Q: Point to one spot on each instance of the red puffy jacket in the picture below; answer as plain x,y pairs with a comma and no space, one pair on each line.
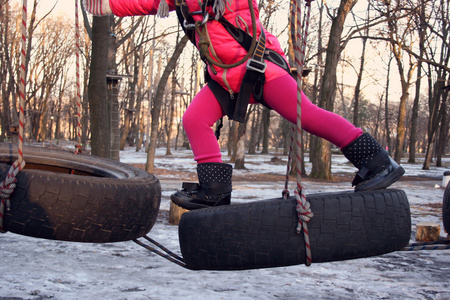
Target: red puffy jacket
224,48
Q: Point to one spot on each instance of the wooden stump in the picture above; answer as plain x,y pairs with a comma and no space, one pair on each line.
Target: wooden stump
428,232
175,213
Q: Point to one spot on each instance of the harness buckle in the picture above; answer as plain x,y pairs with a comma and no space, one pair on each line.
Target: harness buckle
256,65
191,26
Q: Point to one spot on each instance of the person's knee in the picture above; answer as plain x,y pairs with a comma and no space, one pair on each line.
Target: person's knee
190,121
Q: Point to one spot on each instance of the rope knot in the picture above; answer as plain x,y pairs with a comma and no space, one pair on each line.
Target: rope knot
303,209
7,188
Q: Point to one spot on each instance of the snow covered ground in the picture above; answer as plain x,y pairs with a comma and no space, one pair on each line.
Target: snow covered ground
42,269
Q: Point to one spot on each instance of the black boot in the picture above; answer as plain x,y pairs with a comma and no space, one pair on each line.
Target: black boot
377,170
213,189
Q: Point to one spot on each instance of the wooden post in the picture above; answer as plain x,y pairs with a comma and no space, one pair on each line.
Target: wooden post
428,232
14,131
175,213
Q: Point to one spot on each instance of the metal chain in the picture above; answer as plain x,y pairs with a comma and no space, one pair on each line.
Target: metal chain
437,245
169,255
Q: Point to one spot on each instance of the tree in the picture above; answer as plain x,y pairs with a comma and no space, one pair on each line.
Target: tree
397,39
421,27
321,160
157,102
97,89
356,96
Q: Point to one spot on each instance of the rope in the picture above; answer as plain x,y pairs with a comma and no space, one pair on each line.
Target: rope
169,255
303,207
8,185
7,188
77,54
22,79
204,43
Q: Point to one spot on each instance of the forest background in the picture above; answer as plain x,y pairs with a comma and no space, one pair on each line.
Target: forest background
383,65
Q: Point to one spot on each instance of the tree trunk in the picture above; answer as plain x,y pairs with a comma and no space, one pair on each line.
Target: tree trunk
232,139
358,85
240,146
443,129
386,109
415,110
254,131
129,112
139,122
97,89
171,114
156,110
266,128
321,162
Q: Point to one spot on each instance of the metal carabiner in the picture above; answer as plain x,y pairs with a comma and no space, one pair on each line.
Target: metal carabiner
191,26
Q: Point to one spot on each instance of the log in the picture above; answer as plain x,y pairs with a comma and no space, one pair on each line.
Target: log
175,213
428,232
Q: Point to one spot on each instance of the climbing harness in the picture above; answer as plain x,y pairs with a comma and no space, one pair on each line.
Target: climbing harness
233,104
203,43
8,185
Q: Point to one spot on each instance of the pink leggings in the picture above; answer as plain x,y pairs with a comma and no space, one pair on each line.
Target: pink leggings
281,95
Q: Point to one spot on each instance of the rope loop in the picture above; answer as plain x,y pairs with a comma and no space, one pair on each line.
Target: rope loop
7,187
303,209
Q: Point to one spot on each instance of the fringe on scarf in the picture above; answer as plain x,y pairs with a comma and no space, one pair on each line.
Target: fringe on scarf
163,9
219,8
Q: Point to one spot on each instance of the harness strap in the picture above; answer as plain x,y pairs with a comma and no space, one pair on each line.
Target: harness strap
256,66
245,40
254,79
185,18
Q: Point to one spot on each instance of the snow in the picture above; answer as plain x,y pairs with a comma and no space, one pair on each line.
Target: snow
43,269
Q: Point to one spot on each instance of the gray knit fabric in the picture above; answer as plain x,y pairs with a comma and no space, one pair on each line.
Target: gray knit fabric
362,150
214,172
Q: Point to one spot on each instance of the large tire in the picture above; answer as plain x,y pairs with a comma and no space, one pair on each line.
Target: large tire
446,209
82,198
263,234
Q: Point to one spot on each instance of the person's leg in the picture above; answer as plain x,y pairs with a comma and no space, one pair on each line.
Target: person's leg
377,170
214,187
198,121
315,120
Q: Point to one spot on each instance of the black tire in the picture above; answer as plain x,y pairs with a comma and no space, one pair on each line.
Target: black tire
446,209
263,234
82,198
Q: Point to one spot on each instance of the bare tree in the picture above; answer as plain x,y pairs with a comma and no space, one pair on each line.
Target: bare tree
397,39
157,102
356,96
97,89
421,27
321,167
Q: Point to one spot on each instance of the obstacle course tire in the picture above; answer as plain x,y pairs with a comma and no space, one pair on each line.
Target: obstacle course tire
446,209
263,234
82,198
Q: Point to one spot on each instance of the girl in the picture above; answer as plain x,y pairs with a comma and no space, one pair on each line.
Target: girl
245,64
